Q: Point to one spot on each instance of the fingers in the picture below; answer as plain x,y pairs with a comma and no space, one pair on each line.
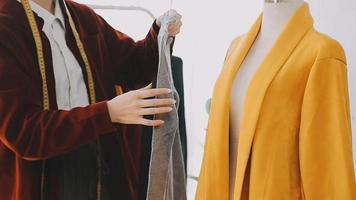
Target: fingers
156,102
148,93
176,26
177,22
155,111
147,122
178,16
174,29
174,12
149,86
174,32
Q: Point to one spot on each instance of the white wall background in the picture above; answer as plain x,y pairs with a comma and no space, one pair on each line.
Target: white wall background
209,27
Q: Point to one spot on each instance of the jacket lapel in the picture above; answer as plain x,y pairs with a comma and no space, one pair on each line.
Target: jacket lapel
214,176
293,33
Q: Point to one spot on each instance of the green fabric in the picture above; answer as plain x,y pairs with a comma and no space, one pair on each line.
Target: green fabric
177,70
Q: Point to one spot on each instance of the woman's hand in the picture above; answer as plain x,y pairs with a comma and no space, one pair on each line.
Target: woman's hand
173,29
129,108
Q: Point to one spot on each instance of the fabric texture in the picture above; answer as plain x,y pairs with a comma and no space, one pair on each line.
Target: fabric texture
29,135
295,140
167,179
177,72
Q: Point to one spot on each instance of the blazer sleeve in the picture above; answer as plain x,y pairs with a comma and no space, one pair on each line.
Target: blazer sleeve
34,134
135,63
326,160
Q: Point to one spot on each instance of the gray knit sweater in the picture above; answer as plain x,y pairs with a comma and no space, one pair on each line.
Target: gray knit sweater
167,179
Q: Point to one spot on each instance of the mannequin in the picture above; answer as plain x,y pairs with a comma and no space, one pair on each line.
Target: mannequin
275,16
294,136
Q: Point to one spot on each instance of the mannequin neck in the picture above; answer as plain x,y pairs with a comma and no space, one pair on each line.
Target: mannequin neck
276,15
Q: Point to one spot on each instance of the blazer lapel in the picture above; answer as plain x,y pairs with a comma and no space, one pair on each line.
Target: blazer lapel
293,33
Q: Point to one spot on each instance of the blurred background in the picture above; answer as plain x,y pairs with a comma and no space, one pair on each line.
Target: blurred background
209,27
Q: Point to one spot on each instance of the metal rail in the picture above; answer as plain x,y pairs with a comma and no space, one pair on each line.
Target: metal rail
130,8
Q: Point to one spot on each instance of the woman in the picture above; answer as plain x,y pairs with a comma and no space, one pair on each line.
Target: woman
62,126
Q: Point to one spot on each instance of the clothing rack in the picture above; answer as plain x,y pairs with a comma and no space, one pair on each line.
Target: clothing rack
129,8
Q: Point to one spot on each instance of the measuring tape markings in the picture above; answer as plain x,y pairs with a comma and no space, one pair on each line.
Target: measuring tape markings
41,63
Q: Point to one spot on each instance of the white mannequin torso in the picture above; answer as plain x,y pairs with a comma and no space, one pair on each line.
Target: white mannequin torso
275,17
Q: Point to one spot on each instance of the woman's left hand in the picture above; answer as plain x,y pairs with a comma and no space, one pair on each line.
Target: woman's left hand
174,28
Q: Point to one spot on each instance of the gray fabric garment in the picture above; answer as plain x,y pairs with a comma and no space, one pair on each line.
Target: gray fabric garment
167,179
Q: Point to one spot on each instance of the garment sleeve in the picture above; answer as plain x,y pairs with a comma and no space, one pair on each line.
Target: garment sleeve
34,134
326,161
135,63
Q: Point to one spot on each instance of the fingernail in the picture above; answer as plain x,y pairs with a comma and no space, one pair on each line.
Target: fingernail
169,90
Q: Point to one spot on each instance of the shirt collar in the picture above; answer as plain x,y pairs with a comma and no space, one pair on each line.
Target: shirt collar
48,17
59,13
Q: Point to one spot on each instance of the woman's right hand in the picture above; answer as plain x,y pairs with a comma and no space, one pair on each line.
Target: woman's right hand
131,107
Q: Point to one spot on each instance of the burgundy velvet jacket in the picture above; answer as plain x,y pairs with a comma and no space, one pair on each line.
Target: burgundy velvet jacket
29,135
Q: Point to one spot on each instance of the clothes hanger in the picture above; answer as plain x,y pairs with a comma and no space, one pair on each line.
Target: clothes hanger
129,8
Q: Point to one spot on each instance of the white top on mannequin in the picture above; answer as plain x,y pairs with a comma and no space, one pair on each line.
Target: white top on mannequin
275,17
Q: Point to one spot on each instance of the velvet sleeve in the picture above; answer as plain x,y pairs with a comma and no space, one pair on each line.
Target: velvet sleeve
135,62
326,161
34,134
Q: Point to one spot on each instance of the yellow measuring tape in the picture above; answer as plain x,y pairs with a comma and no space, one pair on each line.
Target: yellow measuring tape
41,63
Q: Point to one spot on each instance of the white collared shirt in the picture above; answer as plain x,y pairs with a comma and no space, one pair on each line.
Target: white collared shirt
71,90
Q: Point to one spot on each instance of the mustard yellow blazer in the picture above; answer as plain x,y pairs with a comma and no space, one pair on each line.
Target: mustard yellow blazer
295,138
